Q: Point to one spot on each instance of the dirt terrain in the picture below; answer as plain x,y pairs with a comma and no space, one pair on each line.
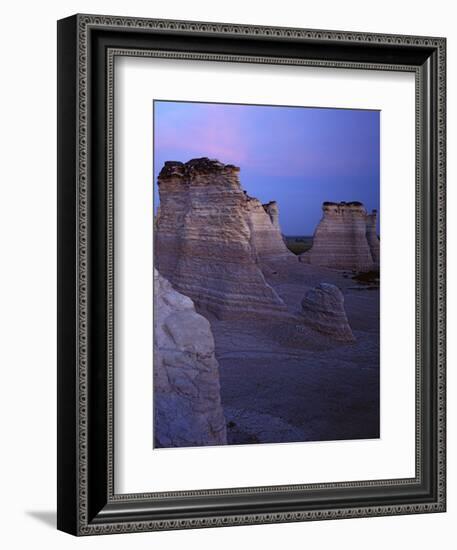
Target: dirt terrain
285,382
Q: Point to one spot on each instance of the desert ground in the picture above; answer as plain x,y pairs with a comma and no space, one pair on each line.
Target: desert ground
285,382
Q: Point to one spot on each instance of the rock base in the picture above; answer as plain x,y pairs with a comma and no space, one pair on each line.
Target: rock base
323,310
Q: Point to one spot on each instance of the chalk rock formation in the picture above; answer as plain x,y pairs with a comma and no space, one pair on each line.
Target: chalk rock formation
212,238
266,237
187,402
345,238
323,310
272,209
372,237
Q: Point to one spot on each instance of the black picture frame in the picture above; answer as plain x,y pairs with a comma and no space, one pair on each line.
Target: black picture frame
87,45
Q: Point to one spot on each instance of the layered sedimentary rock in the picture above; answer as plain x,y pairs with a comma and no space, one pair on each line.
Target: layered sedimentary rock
272,209
372,237
323,310
212,238
345,238
266,238
187,402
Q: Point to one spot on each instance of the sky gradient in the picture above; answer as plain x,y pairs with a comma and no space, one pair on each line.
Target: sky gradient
298,156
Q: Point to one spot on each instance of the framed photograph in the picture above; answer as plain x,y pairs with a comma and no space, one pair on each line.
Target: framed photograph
251,280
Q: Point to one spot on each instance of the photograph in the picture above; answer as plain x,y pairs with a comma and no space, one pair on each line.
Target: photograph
266,241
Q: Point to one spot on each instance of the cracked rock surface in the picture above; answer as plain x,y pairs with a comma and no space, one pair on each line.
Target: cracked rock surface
187,402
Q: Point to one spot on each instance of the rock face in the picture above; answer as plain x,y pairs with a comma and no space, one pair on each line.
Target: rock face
266,238
187,402
212,239
323,310
272,209
345,238
372,237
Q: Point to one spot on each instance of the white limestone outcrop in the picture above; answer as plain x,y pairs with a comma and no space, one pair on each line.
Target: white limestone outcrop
212,239
345,238
187,401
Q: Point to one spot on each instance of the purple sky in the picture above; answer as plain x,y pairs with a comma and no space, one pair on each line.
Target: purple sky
298,156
